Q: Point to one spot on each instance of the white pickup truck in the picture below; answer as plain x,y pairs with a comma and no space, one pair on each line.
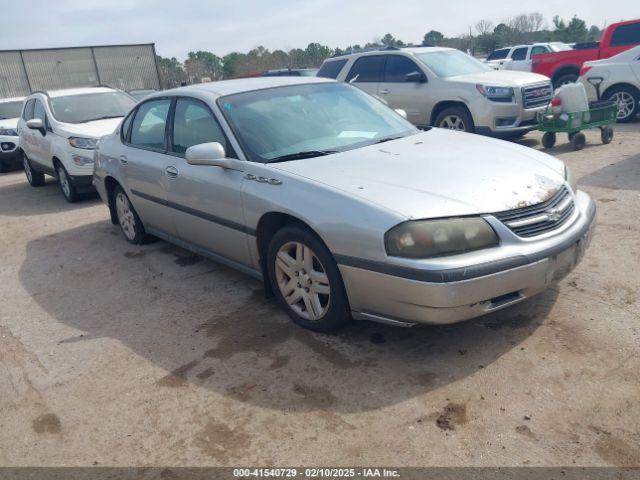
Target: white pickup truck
519,57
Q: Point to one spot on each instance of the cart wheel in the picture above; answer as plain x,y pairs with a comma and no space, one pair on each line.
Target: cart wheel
571,135
579,141
606,134
548,140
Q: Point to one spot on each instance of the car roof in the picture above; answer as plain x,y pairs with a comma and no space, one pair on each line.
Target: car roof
389,51
76,91
240,85
12,99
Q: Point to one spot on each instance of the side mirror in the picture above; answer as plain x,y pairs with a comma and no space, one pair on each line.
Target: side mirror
415,77
211,154
401,112
36,124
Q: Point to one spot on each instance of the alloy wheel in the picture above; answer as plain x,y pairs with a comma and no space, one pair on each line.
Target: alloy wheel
125,216
626,104
64,182
303,281
453,122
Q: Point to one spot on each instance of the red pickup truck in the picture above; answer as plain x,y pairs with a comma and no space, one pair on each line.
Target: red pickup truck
564,67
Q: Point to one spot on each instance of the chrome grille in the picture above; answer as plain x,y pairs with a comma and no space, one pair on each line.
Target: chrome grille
540,218
537,95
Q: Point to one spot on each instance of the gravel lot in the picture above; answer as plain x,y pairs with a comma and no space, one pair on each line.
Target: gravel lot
112,354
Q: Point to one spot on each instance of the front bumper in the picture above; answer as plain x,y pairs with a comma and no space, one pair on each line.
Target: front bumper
400,297
9,148
504,119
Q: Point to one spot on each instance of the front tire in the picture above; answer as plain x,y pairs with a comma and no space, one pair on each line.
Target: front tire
4,166
565,80
35,178
67,187
455,118
628,100
306,280
130,224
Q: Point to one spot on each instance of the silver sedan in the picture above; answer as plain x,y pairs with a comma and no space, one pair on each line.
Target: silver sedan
339,205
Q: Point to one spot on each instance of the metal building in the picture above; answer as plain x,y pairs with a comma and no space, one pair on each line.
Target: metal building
128,67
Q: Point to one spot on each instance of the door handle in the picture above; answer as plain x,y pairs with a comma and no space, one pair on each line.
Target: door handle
123,159
171,172
384,91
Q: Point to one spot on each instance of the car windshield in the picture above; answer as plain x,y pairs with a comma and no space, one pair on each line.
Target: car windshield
91,106
10,110
559,47
451,63
301,121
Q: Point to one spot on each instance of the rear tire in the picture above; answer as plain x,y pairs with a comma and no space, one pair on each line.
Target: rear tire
548,139
130,224
35,178
67,187
306,281
628,100
564,80
455,118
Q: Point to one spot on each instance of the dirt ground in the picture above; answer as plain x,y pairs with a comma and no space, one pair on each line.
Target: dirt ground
112,354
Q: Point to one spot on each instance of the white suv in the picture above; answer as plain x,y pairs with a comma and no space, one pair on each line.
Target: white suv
58,131
446,88
10,109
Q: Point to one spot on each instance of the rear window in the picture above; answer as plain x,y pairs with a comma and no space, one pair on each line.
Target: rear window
331,69
499,54
626,35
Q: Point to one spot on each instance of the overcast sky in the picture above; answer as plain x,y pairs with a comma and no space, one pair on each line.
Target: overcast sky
179,26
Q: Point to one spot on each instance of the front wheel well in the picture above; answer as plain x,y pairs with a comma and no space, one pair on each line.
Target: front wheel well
268,225
442,106
110,184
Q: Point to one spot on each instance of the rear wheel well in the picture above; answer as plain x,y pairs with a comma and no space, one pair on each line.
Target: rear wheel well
440,107
268,225
566,70
110,184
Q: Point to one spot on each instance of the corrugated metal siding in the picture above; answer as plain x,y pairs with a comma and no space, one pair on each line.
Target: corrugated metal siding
13,82
129,67
63,68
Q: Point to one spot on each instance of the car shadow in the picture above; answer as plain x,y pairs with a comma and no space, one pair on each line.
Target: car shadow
20,198
212,327
622,175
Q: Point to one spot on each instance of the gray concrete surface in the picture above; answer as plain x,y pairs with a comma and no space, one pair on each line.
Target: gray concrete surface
116,355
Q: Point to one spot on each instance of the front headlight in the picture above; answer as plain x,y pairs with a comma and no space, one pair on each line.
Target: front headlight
497,94
9,132
571,179
83,143
431,238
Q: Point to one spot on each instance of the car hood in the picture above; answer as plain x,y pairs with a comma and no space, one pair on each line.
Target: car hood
500,78
9,123
95,129
438,173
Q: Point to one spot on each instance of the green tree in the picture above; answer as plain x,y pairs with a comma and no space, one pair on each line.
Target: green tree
202,64
433,37
390,41
171,71
574,31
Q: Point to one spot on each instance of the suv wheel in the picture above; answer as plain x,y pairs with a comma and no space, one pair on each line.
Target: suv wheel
455,118
306,280
628,101
35,179
66,185
130,224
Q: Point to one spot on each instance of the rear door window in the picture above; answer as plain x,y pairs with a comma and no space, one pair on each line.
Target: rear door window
520,53
149,124
626,35
367,69
331,69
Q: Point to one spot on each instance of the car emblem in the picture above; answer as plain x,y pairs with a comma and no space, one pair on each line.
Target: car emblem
553,214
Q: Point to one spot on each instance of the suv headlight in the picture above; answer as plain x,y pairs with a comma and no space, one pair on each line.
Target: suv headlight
431,238
9,132
571,179
496,94
83,143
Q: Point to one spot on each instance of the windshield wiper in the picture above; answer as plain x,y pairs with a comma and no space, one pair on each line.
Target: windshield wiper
106,117
301,155
388,139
